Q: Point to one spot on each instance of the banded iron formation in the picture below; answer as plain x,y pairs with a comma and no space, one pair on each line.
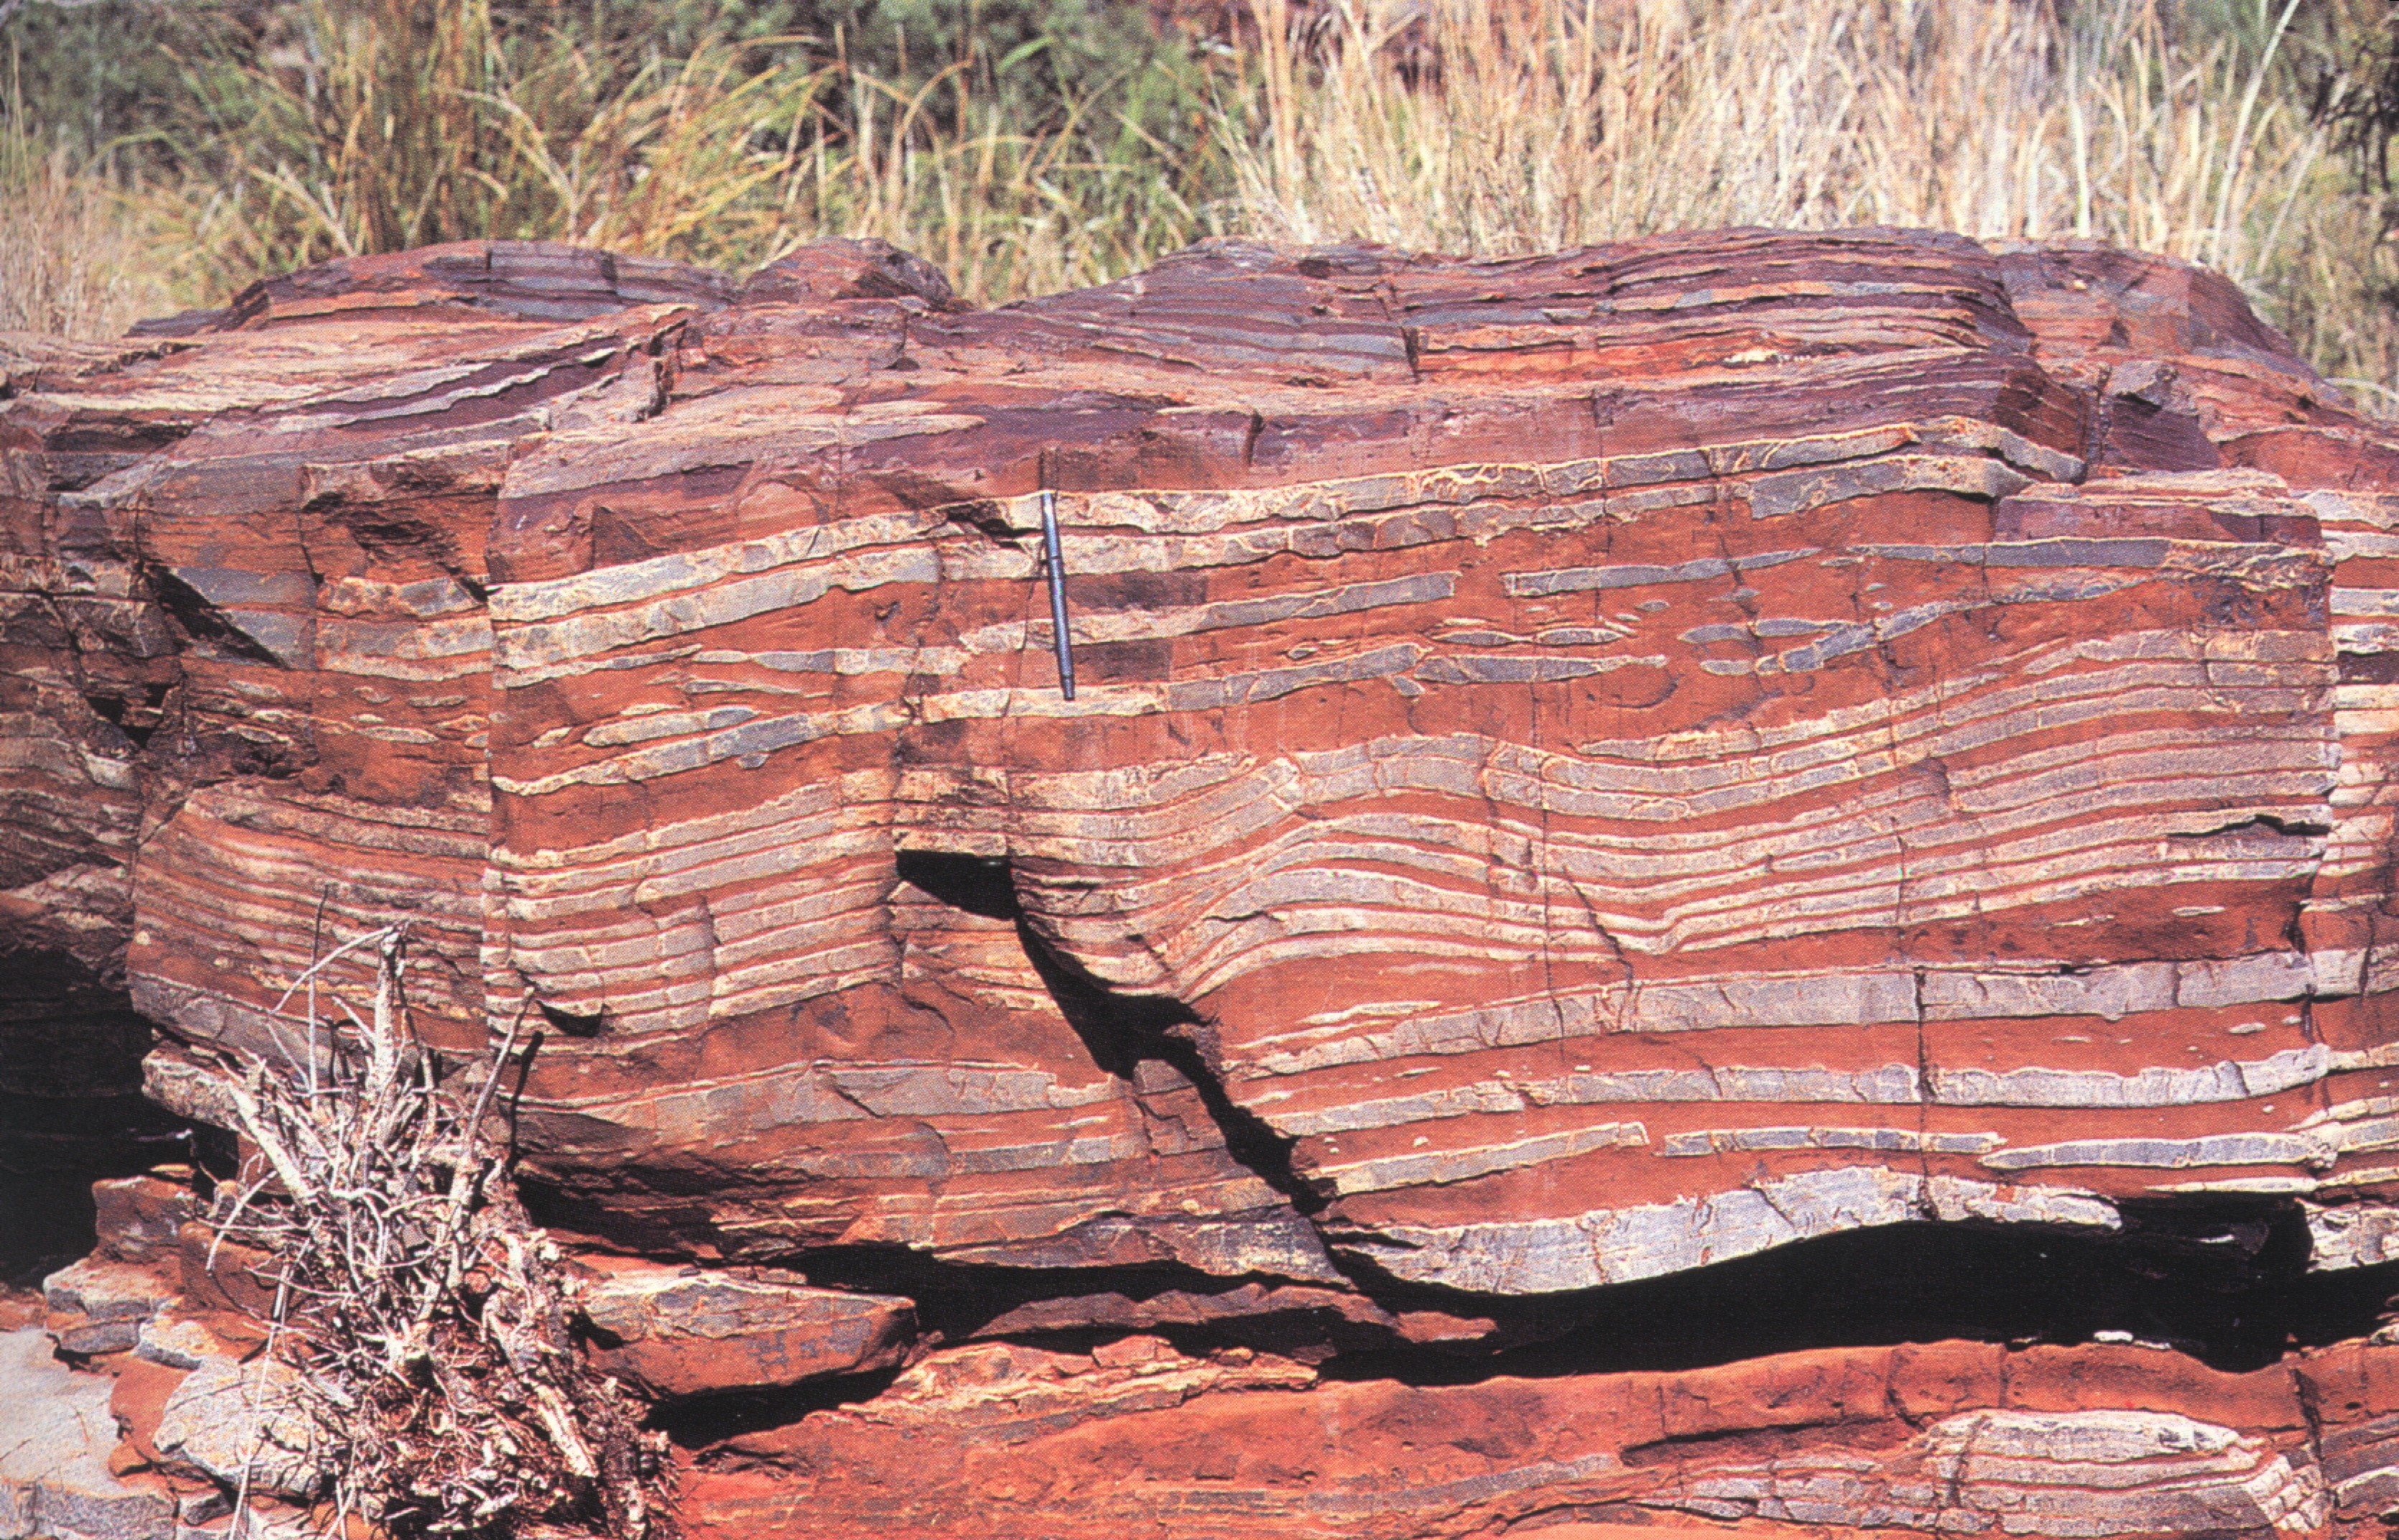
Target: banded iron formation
1571,771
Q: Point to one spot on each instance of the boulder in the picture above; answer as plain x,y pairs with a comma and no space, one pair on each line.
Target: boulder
1618,811
1584,766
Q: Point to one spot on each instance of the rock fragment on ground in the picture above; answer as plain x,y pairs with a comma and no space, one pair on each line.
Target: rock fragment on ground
244,1422
98,1304
56,1439
676,1333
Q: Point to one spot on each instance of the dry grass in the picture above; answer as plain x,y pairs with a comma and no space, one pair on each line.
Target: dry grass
74,257
1547,124
77,239
425,1314
387,125
1525,125
1555,123
1004,213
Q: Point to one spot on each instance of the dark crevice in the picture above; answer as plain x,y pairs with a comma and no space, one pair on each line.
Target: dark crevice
2223,1281
1119,1031
1765,1443
977,884
137,722
573,1023
705,1420
72,1111
2293,826
52,1149
956,1302
984,519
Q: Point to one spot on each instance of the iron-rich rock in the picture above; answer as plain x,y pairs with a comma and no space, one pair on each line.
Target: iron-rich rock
98,1306
1584,768
672,1331
243,1425
1942,1439
142,1217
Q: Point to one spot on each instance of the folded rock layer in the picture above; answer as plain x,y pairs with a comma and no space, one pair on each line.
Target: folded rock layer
1583,768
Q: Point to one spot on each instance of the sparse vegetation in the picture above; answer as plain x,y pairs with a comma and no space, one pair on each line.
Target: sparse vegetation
1030,144
2137,122
424,1313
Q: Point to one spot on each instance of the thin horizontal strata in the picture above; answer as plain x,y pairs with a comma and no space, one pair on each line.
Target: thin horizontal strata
1458,810
2226,1080
823,1090
1372,1032
1495,497
1710,1141
2304,674
1752,768
1624,917
1602,1246
1285,1107
2240,1148
1574,782
2056,1473
1112,812
1421,1167
1423,823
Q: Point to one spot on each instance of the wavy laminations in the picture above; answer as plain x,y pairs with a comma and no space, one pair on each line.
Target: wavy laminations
254,547
324,558
84,664
1630,759
1607,761
313,541
949,1107
1945,1438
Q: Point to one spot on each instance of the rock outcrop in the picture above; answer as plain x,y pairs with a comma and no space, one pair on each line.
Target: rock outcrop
1953,1439
1583,769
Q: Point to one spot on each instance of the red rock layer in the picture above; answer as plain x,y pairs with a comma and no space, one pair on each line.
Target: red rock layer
1947,1439
1618,760
1583,768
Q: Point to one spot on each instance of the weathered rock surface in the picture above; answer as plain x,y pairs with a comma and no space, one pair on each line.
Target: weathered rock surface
142,1218
229,1420
672,1331
1944,1438
1584,768
55,1438
98,1306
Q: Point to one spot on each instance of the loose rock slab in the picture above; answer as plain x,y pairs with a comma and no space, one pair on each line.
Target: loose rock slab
1942,1438
99,1304
55,1438
245,1423
669,1333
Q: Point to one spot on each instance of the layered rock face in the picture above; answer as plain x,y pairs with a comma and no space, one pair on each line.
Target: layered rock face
1583,769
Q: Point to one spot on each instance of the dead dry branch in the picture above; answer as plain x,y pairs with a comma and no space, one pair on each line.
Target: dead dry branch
425,1313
